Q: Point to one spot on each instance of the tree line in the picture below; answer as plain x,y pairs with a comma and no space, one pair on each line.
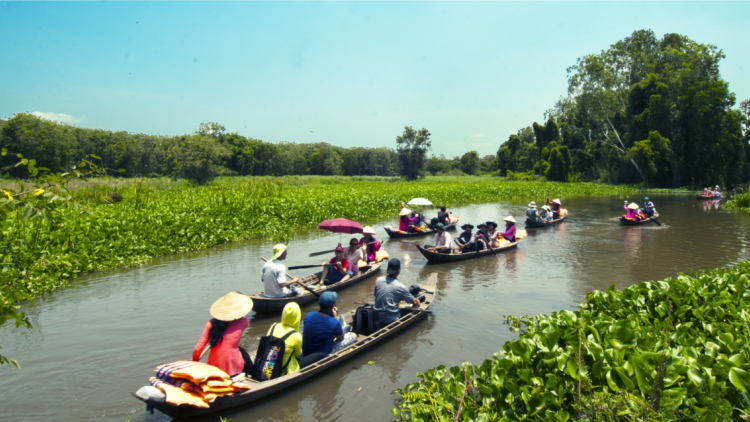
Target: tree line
646,110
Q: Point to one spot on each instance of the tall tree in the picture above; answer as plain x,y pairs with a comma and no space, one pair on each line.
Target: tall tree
412,147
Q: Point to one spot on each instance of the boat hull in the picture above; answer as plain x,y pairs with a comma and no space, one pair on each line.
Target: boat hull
626,222
260,390
707,198
445,257
533,224
397,235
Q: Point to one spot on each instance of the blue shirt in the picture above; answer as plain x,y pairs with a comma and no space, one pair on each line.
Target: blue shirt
318,333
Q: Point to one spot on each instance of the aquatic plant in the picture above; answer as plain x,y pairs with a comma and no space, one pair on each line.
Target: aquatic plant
677,349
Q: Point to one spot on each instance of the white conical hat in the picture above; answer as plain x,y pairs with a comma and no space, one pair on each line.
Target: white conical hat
556,201
405,211
633,206
368,230
509,219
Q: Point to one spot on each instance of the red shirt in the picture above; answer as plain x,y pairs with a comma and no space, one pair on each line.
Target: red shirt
226,355
344,263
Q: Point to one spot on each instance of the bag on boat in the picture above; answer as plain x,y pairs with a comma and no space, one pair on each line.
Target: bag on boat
381,255
563,212
366,320
520,234
270,356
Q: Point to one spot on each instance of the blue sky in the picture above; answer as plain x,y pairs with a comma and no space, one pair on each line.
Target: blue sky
351,74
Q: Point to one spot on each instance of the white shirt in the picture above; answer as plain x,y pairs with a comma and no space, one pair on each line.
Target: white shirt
273,275
443,239
353,257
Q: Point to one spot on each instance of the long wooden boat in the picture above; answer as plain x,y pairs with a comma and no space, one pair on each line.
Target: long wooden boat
554,222
263,304
260,390
443,257
397,235
708,198
625,222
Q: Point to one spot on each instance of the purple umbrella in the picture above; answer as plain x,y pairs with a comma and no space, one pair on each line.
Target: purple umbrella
338,225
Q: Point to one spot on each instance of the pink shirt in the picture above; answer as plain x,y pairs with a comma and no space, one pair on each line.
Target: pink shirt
226,355
403,223
371,249
630,213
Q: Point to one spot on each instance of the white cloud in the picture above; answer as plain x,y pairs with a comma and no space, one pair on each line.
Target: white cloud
479,135
57,117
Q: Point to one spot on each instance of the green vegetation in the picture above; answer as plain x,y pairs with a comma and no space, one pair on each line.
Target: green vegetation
741,201
677,349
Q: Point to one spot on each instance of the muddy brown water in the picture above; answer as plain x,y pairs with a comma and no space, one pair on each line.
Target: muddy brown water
99,339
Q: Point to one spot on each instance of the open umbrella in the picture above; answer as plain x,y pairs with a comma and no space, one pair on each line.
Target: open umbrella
420,202
338,225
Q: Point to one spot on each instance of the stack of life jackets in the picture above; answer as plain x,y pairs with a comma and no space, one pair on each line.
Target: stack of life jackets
194,383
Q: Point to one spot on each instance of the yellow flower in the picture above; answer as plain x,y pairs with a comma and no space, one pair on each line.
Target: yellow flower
7,194
38,192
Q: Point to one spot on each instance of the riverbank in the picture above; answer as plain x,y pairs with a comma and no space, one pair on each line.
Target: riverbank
664,350
155,217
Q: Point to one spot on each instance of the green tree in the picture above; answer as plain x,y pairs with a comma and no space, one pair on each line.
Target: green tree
197,158
412,147
655,158
470,162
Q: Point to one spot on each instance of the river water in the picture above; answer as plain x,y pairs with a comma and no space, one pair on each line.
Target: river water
99,339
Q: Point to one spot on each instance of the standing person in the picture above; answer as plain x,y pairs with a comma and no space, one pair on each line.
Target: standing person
648,208
324,331
353,254
389,292
631,211
467,241
223,334
369,244
493,234
290,318
533,215
274,276
442,241
337,269
555,204
510,229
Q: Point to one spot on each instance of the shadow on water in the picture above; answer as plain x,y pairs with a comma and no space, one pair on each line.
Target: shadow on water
100,338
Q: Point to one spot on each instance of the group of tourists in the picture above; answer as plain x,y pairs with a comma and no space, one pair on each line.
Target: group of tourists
487,235
411,222
548,213
710,193
634,212
324,331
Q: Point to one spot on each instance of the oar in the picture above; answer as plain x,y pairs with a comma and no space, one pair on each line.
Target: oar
489,241
299,267
301,284
205,349
331,251
654,220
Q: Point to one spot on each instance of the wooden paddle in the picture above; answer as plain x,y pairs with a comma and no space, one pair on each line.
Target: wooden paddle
299,267
298,282
488,243
408,309
322,253
654,220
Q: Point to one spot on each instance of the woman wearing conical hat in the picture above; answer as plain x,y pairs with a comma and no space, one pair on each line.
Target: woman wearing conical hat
406,220
510,229
369,244
631,211
555,204
223,333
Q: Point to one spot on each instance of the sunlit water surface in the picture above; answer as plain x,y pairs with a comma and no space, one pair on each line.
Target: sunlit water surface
99,339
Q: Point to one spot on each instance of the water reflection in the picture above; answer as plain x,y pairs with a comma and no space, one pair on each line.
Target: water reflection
100,338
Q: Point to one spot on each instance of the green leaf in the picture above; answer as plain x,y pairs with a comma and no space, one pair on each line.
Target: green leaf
740,378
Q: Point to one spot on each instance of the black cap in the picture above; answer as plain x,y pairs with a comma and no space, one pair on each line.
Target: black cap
394,266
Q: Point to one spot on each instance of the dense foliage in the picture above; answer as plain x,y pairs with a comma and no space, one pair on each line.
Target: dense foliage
645,110
677,349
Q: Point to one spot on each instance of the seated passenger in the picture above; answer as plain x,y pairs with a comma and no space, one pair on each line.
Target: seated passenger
337,269
482,236
444,217
406,221
290,318
631,211
533,215
389,292
442,241
467,241
369,244
546,214
556,204
353,254
223,334
493,234
323,331
510,229
274,276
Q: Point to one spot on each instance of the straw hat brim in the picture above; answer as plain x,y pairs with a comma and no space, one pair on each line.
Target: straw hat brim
532,205
368,230
633,206
405,211
557,201
509,219
231,306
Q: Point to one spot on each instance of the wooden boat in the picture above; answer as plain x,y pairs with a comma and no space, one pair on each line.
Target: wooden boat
263,304
555,222
260,390
397,235
626,222
708,198
443,257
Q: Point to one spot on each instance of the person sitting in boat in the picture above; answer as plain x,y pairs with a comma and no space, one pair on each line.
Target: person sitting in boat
555,204
533,215
274,276
353,254
324,331
369,244
444,217
290,318
493,234
442,241
389,292
407,222
467,241
223,334
337,269
546,214
717,191
631,211
482,236
648,208
510,229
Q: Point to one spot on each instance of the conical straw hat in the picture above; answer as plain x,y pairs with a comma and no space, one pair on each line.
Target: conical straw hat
633,206
509,219
231,306
368,230
405,211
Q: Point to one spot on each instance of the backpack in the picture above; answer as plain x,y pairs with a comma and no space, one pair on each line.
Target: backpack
269,358
366,320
